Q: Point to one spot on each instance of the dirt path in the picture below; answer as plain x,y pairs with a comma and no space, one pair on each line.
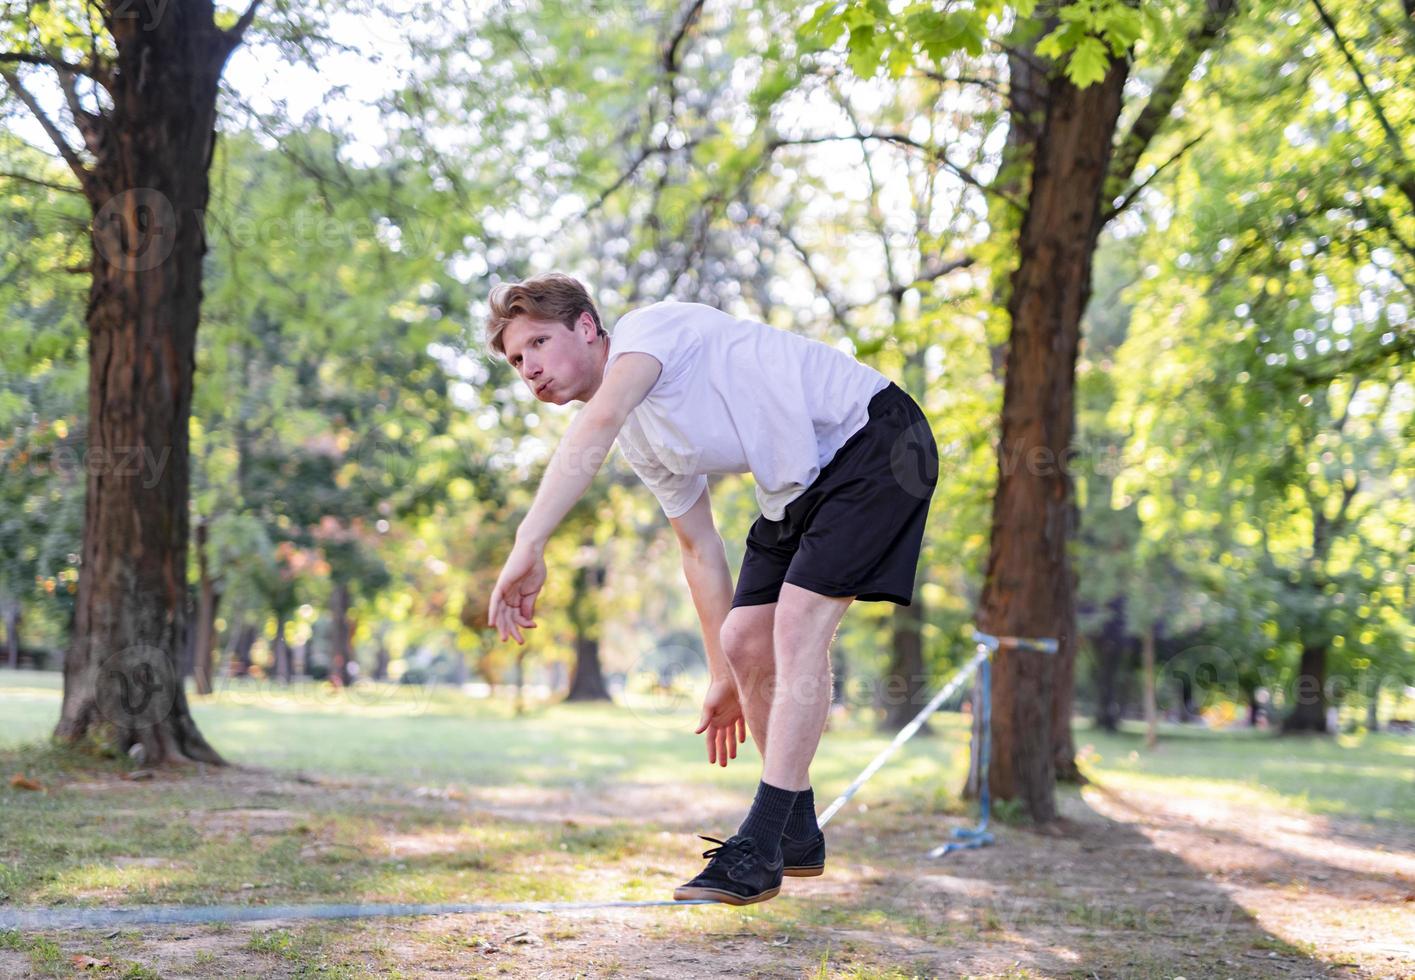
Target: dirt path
1133,883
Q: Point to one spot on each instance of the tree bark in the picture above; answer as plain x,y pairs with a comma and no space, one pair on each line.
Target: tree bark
148,188
208,602
1309,709
587,683
280,652
1063,688
1111,645
1027,589
904,680
339,636
242,641
1147,659
12,632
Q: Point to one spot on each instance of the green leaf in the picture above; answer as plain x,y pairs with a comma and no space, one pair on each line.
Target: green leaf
1089,62
865,48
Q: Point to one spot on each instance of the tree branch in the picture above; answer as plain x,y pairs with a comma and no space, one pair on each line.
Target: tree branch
70,155
670,52
1135,189
902,140
1405,180
43,60
36,182
90,125
992,85
95,70
238,31
1165,96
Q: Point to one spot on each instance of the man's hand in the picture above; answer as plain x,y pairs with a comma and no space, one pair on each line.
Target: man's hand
723,721
513,601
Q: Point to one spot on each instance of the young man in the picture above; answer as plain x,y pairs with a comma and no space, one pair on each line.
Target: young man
844,463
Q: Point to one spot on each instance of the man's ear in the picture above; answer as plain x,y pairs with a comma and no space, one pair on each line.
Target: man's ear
586,323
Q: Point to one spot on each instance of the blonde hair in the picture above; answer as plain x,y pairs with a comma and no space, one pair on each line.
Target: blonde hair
549,296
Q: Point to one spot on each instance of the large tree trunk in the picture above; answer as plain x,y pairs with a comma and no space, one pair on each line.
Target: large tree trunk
587,683
209,601
904,680
148,190
1028,589
1309,709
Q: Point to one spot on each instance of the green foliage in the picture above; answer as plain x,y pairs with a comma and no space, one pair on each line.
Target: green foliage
877,36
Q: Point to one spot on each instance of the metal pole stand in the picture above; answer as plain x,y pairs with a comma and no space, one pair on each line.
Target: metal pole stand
964,838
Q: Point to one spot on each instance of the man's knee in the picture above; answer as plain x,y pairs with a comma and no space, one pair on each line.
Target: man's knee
746,642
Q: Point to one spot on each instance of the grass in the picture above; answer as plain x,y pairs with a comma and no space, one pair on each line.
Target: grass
157,842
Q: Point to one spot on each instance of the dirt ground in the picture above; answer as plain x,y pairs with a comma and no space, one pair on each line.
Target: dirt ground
1133,883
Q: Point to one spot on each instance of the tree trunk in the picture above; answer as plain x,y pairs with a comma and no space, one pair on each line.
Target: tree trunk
1147,659
208,602
148,190
587,683
1063,688
1373,719
1110,645
12,632
339,636
241,643
280,651
1309,709
1027,588
904,680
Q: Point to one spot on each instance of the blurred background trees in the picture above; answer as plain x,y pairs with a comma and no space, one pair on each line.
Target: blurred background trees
1240,466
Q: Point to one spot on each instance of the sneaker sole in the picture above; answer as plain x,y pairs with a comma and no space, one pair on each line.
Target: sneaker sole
809,872
727,898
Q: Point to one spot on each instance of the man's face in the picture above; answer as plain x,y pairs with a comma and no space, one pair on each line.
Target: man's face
558,365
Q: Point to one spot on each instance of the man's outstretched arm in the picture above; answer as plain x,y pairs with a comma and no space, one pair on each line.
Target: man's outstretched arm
710,582
577,459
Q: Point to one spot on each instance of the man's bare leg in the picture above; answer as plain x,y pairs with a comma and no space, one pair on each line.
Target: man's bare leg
804,626
747,645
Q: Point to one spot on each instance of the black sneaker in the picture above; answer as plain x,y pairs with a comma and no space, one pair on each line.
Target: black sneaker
803,858
737,874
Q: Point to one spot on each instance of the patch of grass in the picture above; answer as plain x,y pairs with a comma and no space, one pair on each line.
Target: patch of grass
373,840
1370,776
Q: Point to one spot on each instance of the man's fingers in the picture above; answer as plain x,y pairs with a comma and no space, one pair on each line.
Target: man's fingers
742,731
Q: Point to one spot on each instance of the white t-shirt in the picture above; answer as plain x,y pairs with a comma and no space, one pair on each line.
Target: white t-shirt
736,396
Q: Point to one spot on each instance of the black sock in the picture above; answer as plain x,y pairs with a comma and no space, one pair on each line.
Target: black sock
801,825
767,818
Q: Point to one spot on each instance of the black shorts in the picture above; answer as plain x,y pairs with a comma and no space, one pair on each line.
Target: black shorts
857,529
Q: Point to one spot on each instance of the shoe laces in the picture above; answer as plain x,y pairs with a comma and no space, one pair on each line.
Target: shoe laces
738,854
